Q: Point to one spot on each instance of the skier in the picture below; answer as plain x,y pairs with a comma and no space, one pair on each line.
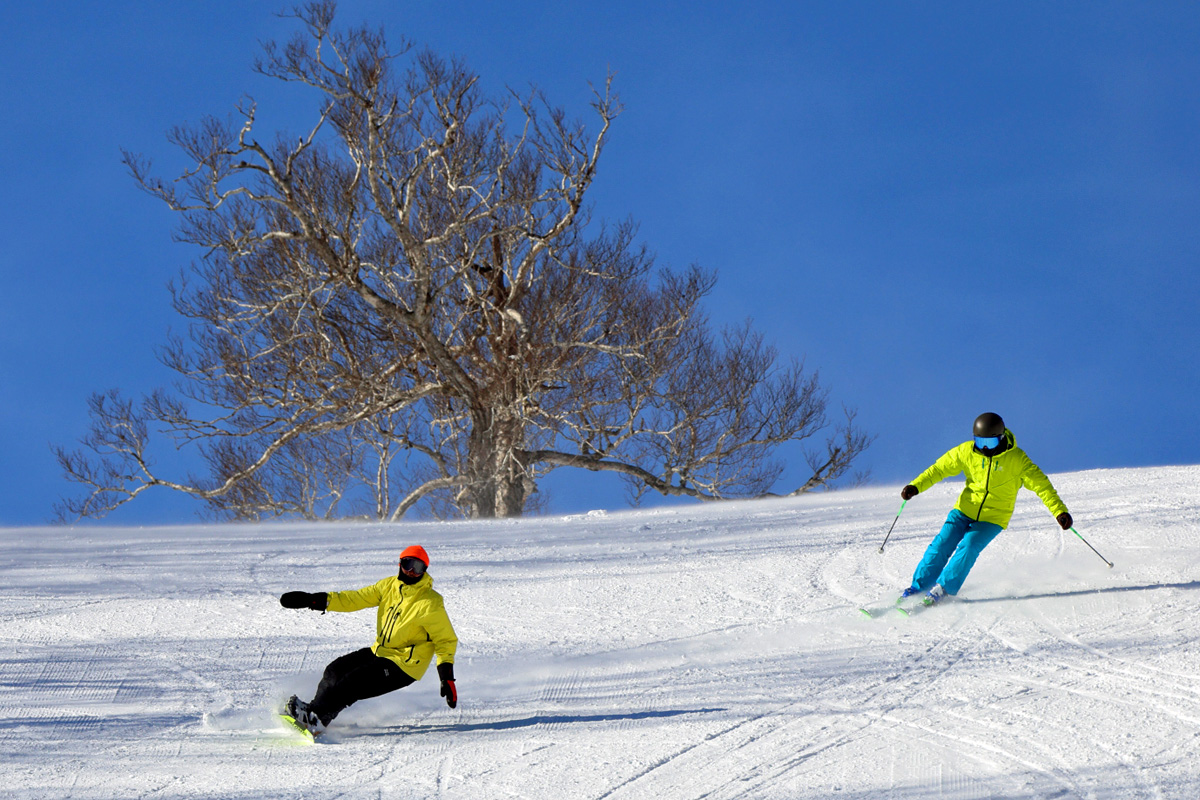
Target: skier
411,628
995,469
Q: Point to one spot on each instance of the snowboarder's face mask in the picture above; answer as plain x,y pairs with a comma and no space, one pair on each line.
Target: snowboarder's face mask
987,442
412,567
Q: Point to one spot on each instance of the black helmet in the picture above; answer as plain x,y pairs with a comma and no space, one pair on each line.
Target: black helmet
989,424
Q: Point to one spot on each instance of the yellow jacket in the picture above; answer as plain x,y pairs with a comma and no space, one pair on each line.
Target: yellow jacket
992,482
411,624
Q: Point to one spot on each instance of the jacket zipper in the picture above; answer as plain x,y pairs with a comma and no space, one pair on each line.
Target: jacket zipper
390,626
987,482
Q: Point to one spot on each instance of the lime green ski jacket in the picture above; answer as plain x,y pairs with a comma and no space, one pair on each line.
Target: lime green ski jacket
411,625
992,481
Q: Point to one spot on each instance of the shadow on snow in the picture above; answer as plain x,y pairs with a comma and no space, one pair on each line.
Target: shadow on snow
529,722
1083,592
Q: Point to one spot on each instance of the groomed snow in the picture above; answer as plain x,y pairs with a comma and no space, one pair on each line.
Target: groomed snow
707,651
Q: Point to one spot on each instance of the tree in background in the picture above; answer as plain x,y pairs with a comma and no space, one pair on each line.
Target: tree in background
411,304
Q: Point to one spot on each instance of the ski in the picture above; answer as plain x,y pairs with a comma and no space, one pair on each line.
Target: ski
913,605
880,608
907,606
916,605
294,725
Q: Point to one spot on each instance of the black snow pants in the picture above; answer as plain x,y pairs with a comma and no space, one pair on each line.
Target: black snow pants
353,677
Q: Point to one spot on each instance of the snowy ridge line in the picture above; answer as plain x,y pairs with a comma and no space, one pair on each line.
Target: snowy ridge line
705,652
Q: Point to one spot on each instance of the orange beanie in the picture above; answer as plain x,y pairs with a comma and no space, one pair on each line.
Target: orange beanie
416,551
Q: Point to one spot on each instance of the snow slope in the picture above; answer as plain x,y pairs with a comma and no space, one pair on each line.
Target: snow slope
707,651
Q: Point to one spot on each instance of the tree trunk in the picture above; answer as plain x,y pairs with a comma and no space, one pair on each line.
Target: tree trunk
498,486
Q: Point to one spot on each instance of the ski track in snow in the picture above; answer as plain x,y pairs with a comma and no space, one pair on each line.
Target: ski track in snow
687,652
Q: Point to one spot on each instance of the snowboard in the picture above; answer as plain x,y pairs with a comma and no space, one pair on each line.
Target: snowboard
291,724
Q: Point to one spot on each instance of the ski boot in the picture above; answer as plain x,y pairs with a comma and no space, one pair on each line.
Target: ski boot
298,710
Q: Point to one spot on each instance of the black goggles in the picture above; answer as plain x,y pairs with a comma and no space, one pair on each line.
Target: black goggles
413,566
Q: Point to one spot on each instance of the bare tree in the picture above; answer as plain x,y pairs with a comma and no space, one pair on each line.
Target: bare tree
410,303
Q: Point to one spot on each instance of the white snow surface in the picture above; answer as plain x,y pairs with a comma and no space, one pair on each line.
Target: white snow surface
707,651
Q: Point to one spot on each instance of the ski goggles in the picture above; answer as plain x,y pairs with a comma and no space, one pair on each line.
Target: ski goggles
987,442
412,566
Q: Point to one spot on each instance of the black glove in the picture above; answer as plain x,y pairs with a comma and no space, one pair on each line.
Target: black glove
446,673
1064,519
909,492
317,601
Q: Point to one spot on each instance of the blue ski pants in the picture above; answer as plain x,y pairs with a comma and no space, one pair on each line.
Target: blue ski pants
953,551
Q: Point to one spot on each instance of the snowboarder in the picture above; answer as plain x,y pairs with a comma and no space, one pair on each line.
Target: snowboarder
411,628
995,469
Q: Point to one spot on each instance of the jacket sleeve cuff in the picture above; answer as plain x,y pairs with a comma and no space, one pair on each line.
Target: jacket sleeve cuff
446,671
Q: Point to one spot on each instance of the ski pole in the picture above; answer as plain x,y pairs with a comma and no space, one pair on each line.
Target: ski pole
897,519
1094,550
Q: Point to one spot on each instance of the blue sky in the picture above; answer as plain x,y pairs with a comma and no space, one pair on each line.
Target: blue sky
944,207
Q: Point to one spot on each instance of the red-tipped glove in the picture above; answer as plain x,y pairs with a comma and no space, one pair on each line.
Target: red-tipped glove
446,673
909,492
1064,519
